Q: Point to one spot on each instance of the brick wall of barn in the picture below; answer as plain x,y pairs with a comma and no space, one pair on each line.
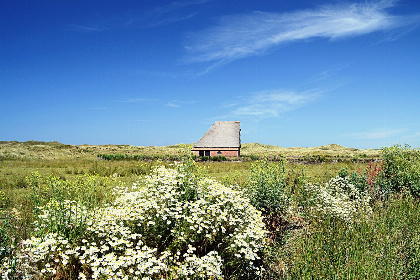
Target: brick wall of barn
215,153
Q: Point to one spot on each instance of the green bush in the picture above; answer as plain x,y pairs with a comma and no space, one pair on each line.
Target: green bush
401,170
358,179
266,186
413,257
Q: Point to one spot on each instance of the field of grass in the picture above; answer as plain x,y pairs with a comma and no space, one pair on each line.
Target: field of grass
305,240
19,159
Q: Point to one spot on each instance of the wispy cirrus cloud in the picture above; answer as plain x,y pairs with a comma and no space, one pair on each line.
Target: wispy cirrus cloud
327,74
415,135
179,103
98,108
375,134
238,36
164,74
148,18
172,103
82,28
268,104
138,100
173,12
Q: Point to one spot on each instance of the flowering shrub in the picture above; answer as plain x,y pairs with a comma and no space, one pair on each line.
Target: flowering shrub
338,198
161,229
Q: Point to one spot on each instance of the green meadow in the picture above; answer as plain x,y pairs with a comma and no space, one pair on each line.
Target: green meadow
327,212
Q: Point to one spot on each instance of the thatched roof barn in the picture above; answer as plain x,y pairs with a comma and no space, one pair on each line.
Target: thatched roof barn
222,139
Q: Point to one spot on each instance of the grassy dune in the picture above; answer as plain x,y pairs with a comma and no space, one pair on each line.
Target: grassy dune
332,149
54,150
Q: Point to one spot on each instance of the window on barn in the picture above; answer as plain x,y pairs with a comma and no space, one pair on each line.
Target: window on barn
207,153
201,153
219,152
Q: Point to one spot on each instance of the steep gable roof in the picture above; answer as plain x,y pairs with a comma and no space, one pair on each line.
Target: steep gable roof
221,135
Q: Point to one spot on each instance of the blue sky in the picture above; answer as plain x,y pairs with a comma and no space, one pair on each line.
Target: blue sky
295,73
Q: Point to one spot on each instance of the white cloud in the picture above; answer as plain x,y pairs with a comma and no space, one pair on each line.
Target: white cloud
268,104
179,103
375,134
172,105
249,34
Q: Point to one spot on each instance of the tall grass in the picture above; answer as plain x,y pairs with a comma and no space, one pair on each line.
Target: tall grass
382,246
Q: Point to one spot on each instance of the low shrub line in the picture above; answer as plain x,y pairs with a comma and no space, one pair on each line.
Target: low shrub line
309,159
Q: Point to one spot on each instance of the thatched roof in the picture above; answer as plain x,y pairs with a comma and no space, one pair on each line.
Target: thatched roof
221,135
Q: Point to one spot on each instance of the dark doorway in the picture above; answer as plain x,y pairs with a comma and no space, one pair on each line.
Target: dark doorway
201,153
